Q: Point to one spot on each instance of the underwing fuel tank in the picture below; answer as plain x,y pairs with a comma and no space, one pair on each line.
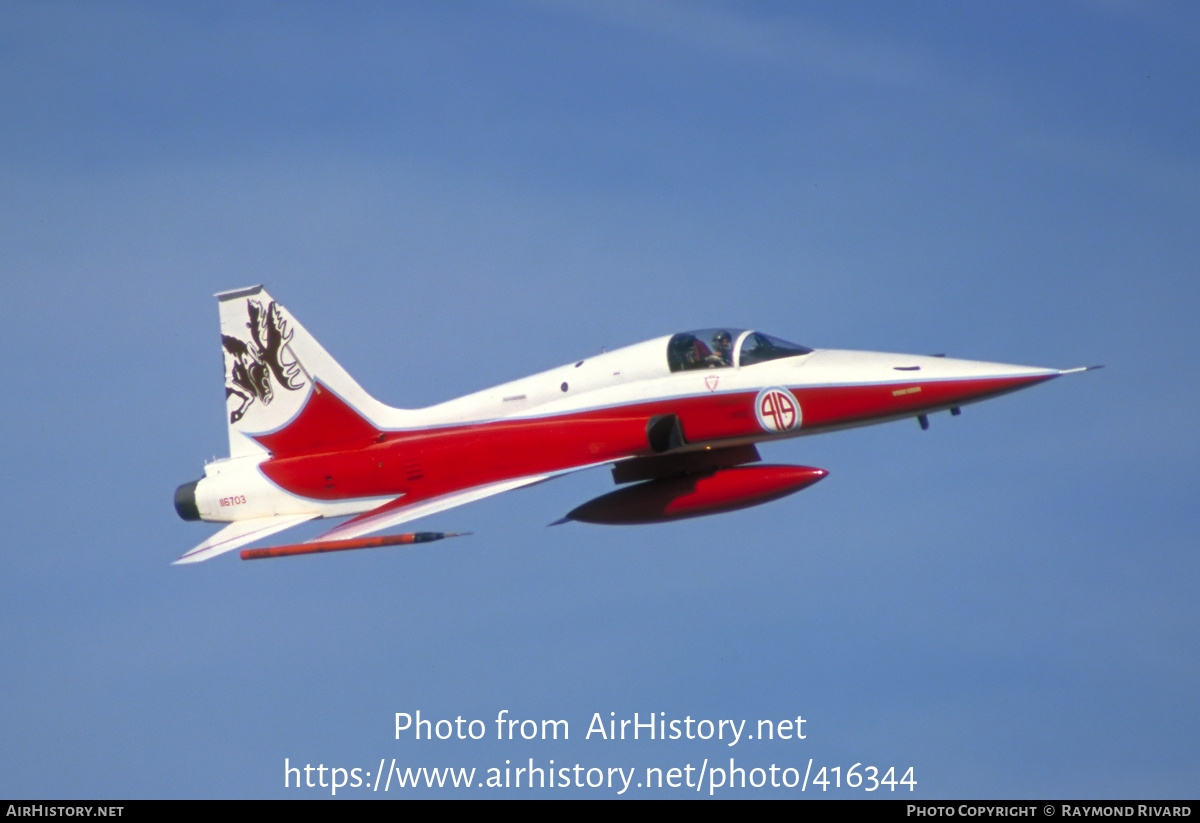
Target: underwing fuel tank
693,495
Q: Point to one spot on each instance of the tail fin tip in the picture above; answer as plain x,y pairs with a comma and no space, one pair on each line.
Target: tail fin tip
233,294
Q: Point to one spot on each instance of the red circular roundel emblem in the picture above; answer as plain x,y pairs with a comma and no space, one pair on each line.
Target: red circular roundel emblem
777,410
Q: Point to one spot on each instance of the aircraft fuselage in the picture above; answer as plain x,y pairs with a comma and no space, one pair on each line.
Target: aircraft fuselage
678,416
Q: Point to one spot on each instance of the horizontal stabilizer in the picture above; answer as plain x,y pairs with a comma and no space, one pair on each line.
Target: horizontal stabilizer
239,534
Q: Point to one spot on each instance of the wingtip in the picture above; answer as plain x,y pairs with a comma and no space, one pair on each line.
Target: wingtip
1079,369
559,522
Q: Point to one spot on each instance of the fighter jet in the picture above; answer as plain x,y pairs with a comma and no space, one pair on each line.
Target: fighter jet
678,418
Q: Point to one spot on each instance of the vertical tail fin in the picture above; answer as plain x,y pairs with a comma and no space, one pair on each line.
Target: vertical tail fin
272,364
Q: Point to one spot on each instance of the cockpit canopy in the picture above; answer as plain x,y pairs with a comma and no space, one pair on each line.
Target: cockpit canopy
722,348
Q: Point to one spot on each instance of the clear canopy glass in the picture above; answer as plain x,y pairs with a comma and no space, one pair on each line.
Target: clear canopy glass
759,348
722,348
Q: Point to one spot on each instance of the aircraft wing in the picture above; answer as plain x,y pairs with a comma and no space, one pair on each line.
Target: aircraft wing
401,510
398,511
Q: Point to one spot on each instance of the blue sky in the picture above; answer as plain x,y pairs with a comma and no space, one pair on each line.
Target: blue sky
453,195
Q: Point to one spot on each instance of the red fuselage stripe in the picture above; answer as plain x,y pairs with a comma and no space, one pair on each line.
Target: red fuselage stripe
329,452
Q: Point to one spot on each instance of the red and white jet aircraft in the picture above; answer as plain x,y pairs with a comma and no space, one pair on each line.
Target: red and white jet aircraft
678,416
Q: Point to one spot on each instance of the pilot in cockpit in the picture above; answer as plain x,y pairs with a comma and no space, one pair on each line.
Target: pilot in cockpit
722,349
